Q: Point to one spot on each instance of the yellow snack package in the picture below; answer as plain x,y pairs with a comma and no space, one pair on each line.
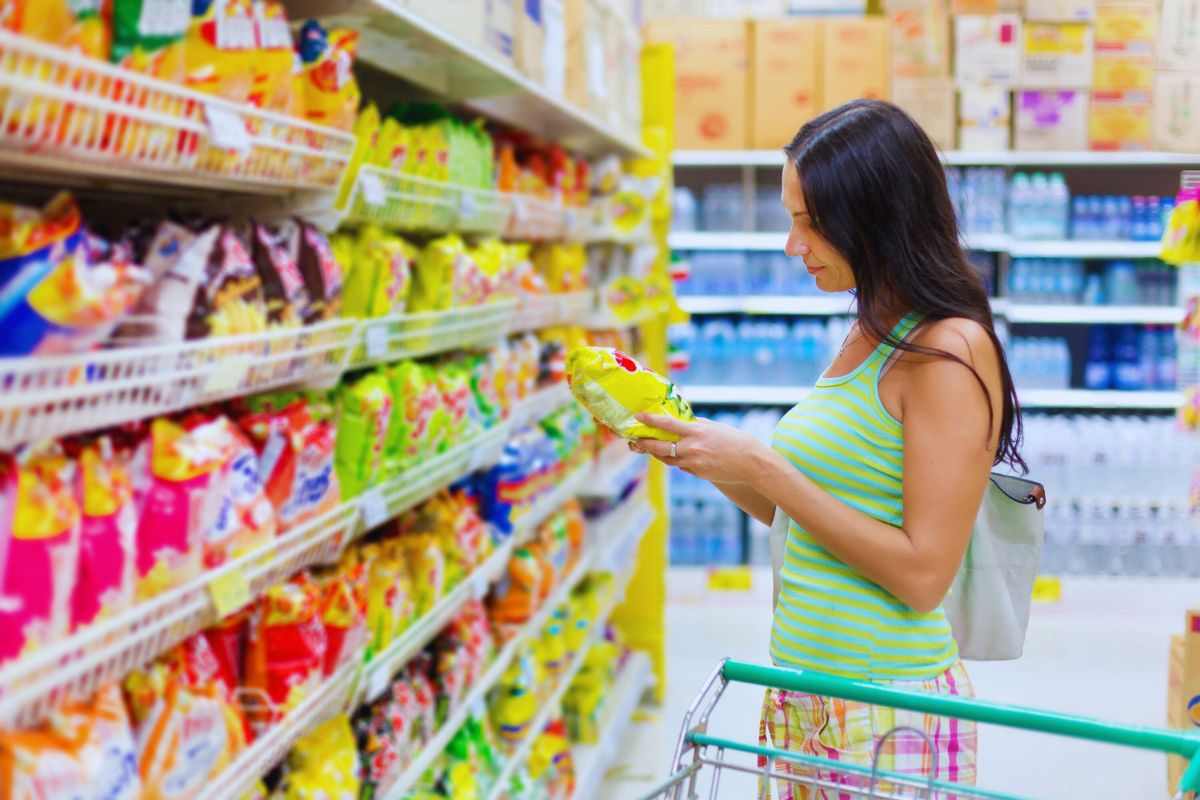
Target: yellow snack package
324,764
219,49
433,288
614,388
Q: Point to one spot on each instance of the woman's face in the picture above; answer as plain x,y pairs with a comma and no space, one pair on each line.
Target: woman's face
831,271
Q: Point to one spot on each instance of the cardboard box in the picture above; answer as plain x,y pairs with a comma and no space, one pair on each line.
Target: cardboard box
1176,708
985,7
1057,55
484,24
854,60
529,43
615,67
711,81
983,118
1176,124
1128,26
994,45
930,101
1052,119
631,70
585,72
1060,10
785,72
1120,121
920,40
1123,72
1178,38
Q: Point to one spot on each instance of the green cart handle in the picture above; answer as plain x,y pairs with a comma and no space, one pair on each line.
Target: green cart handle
1180,743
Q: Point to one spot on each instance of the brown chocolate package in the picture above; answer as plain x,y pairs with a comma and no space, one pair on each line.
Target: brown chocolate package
284,290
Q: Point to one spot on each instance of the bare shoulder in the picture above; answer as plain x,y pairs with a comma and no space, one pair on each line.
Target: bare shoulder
959,336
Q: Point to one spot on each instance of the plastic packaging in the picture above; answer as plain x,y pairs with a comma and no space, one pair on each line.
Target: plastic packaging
615,388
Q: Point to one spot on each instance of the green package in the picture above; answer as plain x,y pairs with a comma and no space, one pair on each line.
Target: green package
365,408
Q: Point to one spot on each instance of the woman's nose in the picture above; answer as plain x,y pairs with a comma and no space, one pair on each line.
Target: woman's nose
795,247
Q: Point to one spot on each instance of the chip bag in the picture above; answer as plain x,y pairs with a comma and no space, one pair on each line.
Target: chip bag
436,268
330,91
362,429
104,578
614,388
274,61
220,49
148,36
323,764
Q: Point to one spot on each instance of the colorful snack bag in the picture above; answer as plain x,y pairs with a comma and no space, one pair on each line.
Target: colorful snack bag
104,579
323,763
186,734
515,597
284,290
416,414
39,548
343,599
231,298
86,750
321,270
427,565
454,382
172,472
331,94
433,288
245,519
391,602
274,61
148,36
393,258
219,49
362,429
613,388
286,657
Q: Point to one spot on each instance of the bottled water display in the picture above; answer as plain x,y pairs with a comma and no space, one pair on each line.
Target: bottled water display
683,210
769,213
1130,358
736,272
1139,218
1039,362
978,195
1065,280
1118,495
706,528
758,351
723,208
1039,206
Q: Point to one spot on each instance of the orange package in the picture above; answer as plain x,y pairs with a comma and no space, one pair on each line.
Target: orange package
82,26
186,728
85,750
343,593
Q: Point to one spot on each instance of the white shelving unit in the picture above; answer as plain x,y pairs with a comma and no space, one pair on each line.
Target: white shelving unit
991,242
594,760
1092,315
748,394
820,305
960,158
399,41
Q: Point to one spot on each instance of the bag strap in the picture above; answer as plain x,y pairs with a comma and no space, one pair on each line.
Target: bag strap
1020,490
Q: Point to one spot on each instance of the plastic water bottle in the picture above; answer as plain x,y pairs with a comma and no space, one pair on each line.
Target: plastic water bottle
1148,357
1097,370
1128,373
1165,371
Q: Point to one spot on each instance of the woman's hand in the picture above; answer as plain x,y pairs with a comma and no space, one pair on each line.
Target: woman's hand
709,450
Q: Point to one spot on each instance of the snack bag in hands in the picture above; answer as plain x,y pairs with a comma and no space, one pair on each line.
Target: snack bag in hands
615,389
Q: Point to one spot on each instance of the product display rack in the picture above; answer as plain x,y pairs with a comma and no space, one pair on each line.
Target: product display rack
79,664
621,527
593,760
962,158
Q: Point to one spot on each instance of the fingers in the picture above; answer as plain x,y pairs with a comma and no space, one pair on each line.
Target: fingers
664,423
654,447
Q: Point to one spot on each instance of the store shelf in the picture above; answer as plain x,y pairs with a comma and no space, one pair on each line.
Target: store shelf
69,118
725,240
400,336
1069,248
596,553
603,318
1081,398
987,242
545,310
399,41
1092,315
965,158
615,469
550,706
751,395
269,749
106,652
378,673
621,701
792,305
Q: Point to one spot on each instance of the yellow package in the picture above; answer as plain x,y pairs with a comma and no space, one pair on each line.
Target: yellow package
148,36
324,763
330,91
366,136
219,49
275,59
393,146
614,388
563,266
433,288
390,599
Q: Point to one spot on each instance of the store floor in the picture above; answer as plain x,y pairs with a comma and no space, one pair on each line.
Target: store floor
1102,651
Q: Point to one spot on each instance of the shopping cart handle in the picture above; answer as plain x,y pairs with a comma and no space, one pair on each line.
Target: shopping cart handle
1178,742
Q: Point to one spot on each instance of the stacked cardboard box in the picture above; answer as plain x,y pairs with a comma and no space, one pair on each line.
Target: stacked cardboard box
488,25
920,66
1176,124
985,79
785,78
1183,689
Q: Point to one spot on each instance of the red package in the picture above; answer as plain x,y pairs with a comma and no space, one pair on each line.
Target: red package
286,657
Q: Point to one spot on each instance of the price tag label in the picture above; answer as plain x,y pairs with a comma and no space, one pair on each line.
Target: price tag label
520,211
377,341
1047,589
230,592
378,682
228,375
374,506
372,189
730,579
226,128
468,206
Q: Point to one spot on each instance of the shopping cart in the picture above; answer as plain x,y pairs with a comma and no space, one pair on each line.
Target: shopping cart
696,750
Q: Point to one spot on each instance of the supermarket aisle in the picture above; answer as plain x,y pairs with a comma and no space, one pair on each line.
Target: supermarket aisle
1102,651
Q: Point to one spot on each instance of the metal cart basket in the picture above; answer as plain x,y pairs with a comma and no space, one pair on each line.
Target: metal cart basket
698,753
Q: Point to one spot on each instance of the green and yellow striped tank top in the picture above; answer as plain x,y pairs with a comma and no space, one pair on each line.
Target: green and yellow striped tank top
830,618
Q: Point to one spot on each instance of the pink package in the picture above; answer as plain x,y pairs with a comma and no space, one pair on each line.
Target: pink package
104,580
245,519
39,544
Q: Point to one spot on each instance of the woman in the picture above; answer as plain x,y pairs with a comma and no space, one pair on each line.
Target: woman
881,468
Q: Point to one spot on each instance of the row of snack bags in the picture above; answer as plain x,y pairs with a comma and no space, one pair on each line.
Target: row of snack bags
176,724
239,50
95,523
65,288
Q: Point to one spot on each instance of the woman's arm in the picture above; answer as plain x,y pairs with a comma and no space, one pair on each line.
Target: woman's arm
947,456
748,499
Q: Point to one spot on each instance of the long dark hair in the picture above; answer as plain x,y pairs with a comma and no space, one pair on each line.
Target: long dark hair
876,190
